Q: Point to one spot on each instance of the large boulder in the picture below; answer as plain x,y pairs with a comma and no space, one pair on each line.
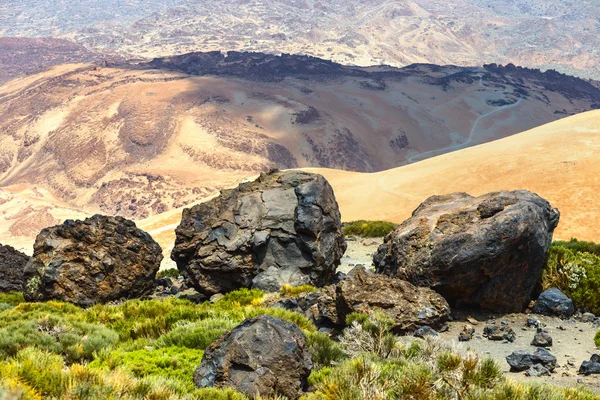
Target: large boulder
12,263
93,261
555,303
485,252
410,307
264,356
282,221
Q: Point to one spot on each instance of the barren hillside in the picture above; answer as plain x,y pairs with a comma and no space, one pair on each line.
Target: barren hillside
534,33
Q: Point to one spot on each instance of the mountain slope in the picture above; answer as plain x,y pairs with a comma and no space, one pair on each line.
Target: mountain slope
559,161
137,140
534,33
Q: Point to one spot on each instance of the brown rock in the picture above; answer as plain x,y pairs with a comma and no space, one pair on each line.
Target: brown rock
12,263
93,261
409,306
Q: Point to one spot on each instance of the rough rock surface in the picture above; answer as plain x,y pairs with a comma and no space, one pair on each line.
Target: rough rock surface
486,252
286,220
93,261
522,360
262,356
554,302
592,366
542,339
497,333
409,306
12,263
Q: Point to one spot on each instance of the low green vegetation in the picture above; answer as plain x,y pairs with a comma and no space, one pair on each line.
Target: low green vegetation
168,273
149,350
368,229
574,268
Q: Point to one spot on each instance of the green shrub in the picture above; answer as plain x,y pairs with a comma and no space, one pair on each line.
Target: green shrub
295,291
168,273
196,335
240,298
597,339
577,274
368,229
12,298
177,363
73,339
579,246
325,352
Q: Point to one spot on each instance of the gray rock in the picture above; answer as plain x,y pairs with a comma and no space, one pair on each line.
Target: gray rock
97,260
274,278
499,333
426,331
554,302
12,263
486,252
282,221
263,356
591,367
522,360
541,339
537,370
588,317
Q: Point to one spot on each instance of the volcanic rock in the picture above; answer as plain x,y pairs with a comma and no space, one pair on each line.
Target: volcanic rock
273,231
93,261
522,360
486,252
263,356
466,334
591,367
541,339
497,333
410,307
12,263
554,302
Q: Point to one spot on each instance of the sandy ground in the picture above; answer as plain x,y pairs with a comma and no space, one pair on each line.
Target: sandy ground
573,341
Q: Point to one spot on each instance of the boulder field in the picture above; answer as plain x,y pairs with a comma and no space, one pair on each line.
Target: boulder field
486,252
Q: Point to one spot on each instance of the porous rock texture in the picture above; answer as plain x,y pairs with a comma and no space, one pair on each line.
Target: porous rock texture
282,221
93,261
485,252
264,356
12,263
410,307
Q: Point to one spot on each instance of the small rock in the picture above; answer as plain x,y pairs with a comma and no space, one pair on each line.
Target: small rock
444,328
591,367
425,331
498,333
587,317
216,297
472,320
541,339
532,323
554,302
521,360
537,370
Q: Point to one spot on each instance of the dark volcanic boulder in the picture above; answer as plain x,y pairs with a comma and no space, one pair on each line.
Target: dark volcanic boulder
486,252
522,360
409,306
93,261
554,302
286,221
263,356
12,263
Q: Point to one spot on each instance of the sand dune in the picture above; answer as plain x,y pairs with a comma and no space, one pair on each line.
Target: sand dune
559,161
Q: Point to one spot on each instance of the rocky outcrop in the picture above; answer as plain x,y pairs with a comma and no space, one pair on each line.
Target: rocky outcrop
554,302
284,225
591,367
486,252
12,263
410,307
263,356
93,261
